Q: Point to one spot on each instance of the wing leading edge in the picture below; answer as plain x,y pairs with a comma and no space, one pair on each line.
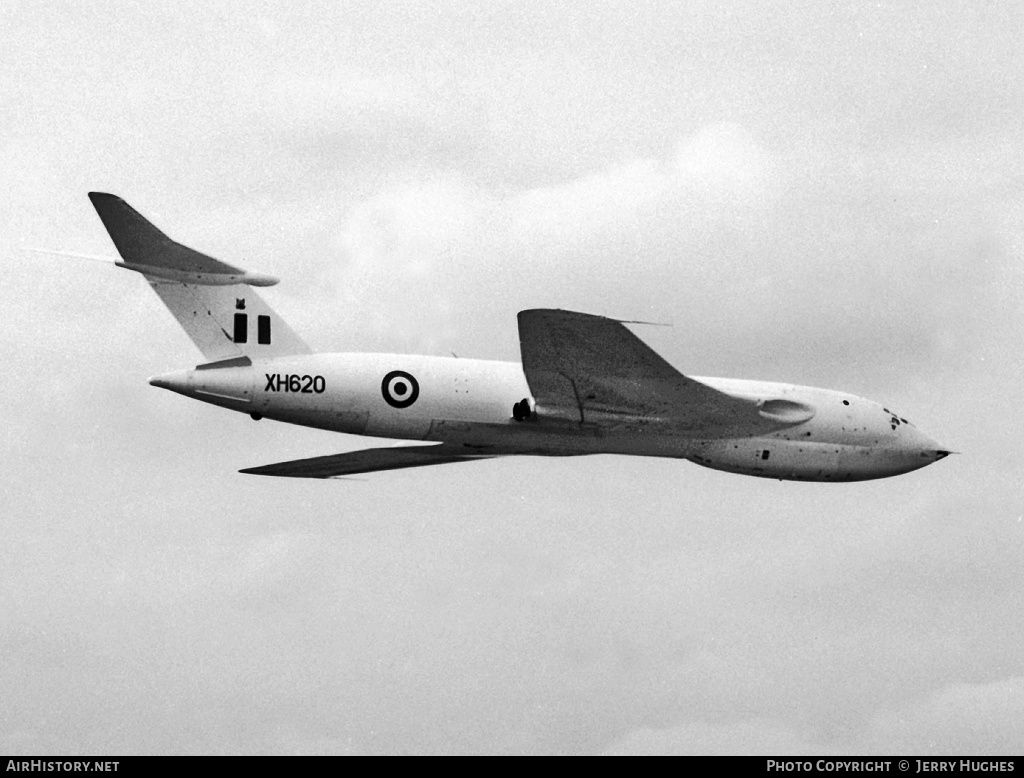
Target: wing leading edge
369,460
591,369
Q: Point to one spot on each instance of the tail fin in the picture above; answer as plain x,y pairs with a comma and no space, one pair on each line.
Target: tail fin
213,301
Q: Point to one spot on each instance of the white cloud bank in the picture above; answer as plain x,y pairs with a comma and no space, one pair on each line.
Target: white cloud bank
446,244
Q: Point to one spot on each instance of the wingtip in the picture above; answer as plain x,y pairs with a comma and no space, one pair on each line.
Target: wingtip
646,323
258,470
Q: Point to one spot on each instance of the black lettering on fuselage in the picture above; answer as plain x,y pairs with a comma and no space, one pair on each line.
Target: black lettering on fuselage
295,384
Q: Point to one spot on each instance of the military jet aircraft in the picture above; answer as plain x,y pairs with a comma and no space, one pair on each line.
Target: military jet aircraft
586,385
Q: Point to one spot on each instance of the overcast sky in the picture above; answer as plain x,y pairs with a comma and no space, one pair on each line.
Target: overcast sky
811,194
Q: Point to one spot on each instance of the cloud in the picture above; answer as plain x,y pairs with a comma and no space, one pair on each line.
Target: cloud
746,249
753,737
434,248
960,719
354,124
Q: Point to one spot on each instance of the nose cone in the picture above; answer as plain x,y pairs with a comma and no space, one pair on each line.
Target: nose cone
926,449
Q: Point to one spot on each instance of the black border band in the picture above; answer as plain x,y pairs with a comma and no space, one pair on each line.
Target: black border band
392,401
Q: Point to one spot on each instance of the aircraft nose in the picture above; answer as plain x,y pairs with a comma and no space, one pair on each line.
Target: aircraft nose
929,450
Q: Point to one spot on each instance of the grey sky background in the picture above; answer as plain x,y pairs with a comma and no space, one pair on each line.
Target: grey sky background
829,196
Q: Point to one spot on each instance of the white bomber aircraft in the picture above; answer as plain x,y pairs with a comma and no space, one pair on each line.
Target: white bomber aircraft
586,385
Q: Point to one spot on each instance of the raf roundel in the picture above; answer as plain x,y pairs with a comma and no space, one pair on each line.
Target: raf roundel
400,389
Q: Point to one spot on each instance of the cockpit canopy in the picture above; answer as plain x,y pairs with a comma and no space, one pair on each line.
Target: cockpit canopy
895,420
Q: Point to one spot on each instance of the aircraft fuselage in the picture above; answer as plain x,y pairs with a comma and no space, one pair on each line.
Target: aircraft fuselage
822,435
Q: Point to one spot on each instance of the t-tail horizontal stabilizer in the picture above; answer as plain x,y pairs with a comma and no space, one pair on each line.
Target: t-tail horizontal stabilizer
146,249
